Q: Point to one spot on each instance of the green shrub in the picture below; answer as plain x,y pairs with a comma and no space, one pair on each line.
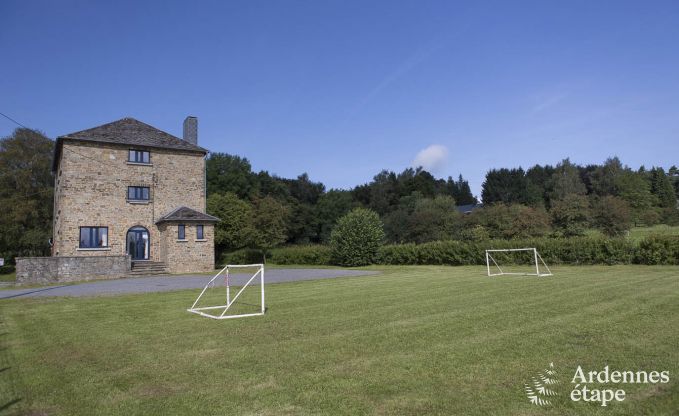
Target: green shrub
356,238
242,256
581,250
658,249
308,254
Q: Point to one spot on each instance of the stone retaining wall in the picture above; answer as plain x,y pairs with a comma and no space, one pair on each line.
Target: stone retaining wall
45,270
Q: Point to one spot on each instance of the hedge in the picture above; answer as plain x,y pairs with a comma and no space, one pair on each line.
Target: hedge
308,254
312,254
581,250
572,251
658,250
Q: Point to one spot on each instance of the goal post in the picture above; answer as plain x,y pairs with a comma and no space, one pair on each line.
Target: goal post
514,261
215,304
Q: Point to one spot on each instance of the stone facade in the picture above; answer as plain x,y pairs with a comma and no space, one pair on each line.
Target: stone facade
191,254
91,190
45,270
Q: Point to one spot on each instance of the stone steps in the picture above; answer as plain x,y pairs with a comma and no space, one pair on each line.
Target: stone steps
148,268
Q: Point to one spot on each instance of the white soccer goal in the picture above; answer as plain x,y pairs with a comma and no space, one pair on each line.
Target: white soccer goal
213,302
516,261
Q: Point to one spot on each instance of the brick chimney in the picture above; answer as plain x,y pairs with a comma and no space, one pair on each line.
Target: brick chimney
191,130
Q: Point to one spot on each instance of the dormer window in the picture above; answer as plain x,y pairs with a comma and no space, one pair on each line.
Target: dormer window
139,156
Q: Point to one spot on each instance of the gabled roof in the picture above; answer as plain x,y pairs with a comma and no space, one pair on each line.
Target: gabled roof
127,131
185,214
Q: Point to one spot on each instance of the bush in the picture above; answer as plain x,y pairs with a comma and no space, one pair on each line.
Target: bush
612,215
658,249
310,254
581,250
242,256
572,251
356,238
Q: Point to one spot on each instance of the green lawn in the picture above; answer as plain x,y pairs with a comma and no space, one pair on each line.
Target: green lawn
11,277
411,341
638,233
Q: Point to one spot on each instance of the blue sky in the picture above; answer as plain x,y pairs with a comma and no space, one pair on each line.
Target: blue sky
343,89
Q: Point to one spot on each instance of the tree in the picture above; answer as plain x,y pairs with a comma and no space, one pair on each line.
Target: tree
236,228
330,207
635,189
26,194
604,178
460,191
611,215
228,173
418,219
270,223
570,215
508,186
565,181
510,221
304,190
662,188
357,238
539,184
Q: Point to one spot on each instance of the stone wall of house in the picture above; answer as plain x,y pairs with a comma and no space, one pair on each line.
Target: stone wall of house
91,190
45,270
188,255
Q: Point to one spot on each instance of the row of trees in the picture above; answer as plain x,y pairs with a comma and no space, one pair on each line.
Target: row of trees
650,194
262,210
302,211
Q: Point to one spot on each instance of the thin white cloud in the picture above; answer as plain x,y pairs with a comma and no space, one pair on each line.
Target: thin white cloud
432,158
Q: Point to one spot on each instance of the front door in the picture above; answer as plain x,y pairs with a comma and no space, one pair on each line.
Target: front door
138,243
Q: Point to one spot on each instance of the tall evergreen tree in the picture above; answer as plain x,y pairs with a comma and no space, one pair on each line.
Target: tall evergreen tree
662,188
460,191
505,185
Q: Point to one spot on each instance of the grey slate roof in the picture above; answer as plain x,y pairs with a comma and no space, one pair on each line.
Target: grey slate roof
127,131
187,215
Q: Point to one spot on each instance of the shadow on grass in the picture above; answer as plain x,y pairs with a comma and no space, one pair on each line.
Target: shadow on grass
30,292
8,404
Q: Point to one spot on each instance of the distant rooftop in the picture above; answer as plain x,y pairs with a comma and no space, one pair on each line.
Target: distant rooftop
466,209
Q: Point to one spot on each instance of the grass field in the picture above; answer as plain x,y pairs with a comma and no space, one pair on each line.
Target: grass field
639,233
411,341
636,234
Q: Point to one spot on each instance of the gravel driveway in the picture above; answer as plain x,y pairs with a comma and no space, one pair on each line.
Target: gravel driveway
170,283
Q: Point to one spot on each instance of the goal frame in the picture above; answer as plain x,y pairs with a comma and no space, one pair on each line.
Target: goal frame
536,256
206,310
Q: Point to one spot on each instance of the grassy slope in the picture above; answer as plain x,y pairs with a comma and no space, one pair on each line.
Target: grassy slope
415,340
639,233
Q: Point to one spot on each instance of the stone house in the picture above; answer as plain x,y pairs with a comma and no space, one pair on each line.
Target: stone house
128,190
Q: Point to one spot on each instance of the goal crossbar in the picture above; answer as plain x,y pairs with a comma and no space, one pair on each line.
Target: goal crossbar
230,300
536,257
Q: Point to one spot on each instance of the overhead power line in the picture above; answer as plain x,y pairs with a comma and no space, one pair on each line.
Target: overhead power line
14,121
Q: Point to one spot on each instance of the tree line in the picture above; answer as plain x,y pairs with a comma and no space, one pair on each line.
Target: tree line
261,210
